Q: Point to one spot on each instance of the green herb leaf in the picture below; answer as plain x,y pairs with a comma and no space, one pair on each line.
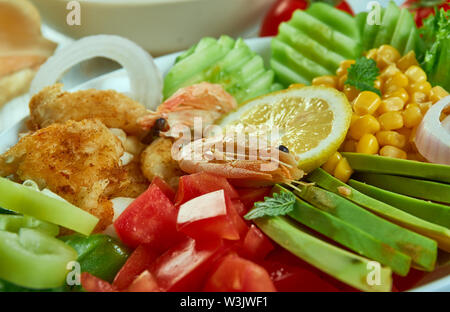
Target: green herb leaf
362,75
279,205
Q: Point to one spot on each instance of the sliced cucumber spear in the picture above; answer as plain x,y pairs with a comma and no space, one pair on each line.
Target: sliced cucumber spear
349,235
428,190
422,250
388,25
339,263
438,233
432,212
402,167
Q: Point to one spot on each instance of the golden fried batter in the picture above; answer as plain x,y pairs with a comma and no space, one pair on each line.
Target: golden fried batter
115,110
80,161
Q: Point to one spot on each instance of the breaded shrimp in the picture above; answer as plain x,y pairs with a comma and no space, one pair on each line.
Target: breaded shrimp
115,110
80,161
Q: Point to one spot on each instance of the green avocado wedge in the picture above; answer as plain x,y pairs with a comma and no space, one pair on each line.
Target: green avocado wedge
432,212
349,235
339,263
438,233
402,167
422,250
428,190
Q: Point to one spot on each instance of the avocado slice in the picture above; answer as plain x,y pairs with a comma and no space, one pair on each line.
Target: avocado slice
345,266
388,24
432,212
349,235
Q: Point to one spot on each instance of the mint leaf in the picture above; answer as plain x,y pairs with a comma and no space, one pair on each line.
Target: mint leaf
279,205
362,75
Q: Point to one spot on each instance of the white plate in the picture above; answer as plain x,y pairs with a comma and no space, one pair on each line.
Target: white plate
118,81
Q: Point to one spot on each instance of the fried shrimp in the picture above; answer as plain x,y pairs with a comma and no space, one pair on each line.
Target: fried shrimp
80,161
115,110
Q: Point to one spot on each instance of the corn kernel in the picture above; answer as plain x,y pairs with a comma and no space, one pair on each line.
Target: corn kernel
368,144
416,157
326,81
416,74
332,162
391,121
350,92
372,54
437,93
389,71
392,104
378,83
395,82
364,124
412,116
367,102
354,118
344,66
404,131
391,138
418,97
297,86
401,93
407,60
392,151
387,55
341,82
423,86
343,170
349,146
424,106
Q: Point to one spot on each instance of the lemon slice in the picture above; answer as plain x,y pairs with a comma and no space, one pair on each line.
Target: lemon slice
312,121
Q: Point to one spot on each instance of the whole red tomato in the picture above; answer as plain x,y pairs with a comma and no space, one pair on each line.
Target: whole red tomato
282,11
423,8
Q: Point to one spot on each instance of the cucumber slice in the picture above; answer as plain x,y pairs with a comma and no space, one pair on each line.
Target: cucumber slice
422,250
408,168
13,223
423,189
348,235
434,231
388,24
402,30
285,75
339,263
432,212
370,33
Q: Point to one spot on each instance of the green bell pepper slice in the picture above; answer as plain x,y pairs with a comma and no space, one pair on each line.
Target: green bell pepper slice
33,259
28,201
13,223
98,254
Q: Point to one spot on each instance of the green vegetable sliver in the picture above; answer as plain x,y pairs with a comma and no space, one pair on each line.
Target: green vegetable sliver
341,264
409,221
424,189
394,166
286,75
27,201
402,30
349,235
435,213
388,24
13,223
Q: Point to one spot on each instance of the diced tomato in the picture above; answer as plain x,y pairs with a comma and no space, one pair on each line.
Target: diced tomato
145,282
402,283
249,196
238,221
208,216
185,266
237,274
239,207
92,283
164,187
150,219
256,245
141,258
197,184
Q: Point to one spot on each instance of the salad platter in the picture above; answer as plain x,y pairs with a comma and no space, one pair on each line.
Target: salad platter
356,198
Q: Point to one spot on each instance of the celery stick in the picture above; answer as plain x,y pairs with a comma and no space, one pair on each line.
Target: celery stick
336,19
339,263
309,47
422,250
434,231
435,213
409,168
286,75
349,235
325,35
428,190
387,26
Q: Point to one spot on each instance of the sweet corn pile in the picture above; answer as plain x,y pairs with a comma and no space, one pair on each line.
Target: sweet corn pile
384,125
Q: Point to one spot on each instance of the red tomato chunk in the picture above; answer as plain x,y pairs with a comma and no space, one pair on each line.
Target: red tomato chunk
256,245
145,282
150,219
92,283
164,187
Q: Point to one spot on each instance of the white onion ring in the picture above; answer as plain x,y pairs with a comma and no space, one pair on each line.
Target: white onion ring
432,136
145,78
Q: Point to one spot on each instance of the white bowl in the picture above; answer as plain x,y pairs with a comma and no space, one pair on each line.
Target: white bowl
160,26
